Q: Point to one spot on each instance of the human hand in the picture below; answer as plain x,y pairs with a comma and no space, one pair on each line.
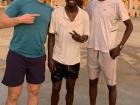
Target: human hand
51,65
76,37
27,18
115,52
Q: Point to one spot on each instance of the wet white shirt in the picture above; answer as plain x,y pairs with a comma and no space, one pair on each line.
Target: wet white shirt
66,50
104,17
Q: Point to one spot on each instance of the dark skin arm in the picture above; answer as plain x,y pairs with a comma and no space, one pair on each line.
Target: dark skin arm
79,38
116,51
51,42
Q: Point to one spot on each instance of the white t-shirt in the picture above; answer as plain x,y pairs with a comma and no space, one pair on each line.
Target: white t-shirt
104,17
67,50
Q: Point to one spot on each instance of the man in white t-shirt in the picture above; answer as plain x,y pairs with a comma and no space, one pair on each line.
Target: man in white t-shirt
69,28
102,49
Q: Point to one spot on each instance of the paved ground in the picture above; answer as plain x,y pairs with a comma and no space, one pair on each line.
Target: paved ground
128,74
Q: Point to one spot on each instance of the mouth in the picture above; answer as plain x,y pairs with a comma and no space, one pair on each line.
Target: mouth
71,1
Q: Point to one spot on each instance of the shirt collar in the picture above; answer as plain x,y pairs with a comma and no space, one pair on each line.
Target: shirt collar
76,18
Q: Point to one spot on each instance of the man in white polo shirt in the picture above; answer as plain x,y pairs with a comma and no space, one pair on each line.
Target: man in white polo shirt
102,49
68,29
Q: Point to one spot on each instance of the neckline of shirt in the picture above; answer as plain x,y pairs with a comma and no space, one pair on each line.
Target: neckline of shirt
65,15
101,1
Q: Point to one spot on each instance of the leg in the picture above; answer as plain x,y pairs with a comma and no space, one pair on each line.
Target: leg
93,71
33,94
13,95
14,77
112,94
35,76
70,83
108,65
55,92
93,91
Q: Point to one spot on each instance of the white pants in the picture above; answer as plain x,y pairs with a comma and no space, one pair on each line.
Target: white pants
101,61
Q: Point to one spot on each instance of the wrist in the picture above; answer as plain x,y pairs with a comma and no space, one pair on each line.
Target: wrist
120,46
19,20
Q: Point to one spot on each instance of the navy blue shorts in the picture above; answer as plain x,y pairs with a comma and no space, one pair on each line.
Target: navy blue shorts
67,71
17,67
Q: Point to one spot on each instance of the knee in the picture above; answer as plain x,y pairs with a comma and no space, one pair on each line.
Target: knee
33,92
55,90
13,96
70,90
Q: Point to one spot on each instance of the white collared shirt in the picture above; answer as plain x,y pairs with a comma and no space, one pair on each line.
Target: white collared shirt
104,17
66,50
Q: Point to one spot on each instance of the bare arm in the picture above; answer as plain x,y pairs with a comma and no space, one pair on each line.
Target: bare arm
6,21
116,51
51,42
129,28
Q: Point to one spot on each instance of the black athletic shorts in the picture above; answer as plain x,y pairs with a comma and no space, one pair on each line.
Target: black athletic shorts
17,67
67,71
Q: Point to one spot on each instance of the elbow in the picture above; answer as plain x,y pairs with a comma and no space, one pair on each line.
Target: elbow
129,25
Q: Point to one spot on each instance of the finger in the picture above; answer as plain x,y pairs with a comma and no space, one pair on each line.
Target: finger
74,32
85,37
35,15
32,21
71,33
51,70
113,56
54,67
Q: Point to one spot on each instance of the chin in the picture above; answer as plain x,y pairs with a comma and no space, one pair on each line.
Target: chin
72,5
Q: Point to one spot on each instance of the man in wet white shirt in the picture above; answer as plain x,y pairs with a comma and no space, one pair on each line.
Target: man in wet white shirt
102,49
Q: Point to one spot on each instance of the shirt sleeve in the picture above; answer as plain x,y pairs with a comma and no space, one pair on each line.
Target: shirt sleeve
52,28
13,9
86,25
122,11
